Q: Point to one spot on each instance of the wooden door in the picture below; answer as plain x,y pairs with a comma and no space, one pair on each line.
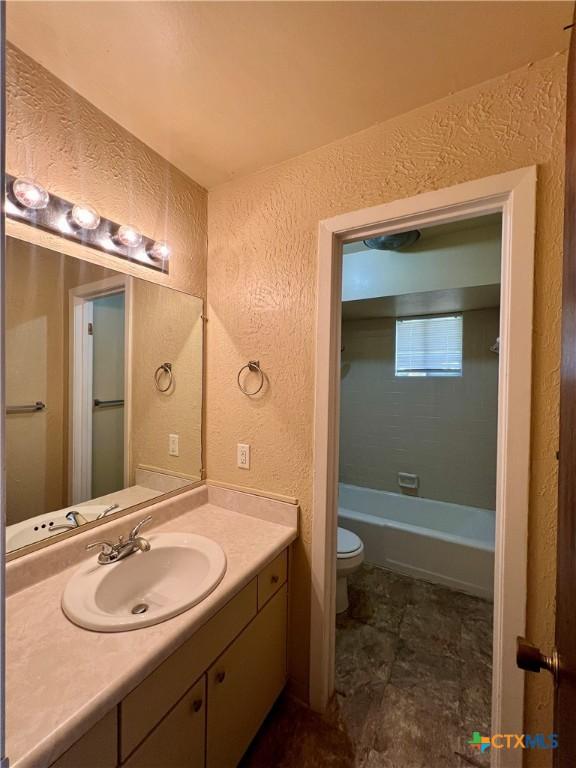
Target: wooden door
565,705
562,661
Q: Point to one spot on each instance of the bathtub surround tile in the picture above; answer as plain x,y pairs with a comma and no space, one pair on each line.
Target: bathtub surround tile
447,425
413,681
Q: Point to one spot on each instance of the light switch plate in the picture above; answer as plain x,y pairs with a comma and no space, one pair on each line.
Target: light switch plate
243,456
173,445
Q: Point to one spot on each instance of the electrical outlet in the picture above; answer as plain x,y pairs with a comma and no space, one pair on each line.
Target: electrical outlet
243,456
173,445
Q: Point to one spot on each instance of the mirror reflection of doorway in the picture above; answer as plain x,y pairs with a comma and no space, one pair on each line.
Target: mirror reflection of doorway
98,357
108,325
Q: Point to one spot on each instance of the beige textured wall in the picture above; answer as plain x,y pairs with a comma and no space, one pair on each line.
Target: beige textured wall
34,371
61,140
442,429
37,284
166,327
261,279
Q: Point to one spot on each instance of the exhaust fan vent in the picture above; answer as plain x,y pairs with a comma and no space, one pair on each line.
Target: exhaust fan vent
396,242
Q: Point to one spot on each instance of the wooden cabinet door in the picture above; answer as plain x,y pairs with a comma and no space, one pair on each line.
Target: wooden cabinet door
244,683
178,741
96,749
149,702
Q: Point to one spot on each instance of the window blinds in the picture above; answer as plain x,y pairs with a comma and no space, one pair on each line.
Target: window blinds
429,346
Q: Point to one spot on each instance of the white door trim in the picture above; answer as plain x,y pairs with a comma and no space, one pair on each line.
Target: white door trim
514,195
80,381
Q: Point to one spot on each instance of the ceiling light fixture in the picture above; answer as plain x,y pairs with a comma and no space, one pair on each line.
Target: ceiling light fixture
29,194
159,251
85,217
128,236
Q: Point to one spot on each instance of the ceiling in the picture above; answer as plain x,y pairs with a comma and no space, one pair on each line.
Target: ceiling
223,89
491,221
424,303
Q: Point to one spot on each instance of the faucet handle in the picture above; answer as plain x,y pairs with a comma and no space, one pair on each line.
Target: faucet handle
106,548
136,530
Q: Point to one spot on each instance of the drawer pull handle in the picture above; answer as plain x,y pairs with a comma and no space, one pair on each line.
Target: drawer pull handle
197,705
275,579
220,677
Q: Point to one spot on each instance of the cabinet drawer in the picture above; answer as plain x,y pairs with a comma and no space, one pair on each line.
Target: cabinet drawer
179,739
157,694
271,578
97,749
244,683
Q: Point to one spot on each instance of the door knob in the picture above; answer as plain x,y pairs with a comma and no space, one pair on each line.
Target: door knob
530,658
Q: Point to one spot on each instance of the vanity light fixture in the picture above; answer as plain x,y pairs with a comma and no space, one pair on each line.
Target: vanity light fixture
29,194
84,217
128,236
159,251
29,203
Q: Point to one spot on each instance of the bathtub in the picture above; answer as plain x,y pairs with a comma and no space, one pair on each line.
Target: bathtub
436,541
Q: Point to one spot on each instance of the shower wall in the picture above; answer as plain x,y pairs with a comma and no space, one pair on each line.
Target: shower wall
442,429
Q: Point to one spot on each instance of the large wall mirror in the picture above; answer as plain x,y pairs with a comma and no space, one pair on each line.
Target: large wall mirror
103,392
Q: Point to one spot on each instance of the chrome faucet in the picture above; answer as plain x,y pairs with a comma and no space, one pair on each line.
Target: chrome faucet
111,553
75,520
108,509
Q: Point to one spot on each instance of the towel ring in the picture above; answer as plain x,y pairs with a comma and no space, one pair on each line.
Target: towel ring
164,369
254,366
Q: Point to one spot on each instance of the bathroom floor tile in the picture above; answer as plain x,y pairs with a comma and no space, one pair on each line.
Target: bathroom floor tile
413,681
364,655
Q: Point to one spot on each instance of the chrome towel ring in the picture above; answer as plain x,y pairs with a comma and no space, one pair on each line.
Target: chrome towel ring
163,370
254,367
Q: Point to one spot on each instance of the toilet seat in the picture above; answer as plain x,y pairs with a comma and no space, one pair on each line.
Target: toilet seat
349,545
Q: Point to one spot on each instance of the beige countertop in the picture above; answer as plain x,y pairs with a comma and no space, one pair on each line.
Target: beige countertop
61,679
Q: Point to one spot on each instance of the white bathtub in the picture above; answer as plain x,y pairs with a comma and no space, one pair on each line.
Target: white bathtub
440,542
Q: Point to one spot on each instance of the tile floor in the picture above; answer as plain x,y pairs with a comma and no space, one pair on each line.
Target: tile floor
413,680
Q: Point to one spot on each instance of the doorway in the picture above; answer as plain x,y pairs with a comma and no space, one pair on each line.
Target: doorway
417,488
99,388
512,196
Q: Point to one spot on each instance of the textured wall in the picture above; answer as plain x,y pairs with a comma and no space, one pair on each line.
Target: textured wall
261,278
442,429
34,371
61,140
166,327
37,286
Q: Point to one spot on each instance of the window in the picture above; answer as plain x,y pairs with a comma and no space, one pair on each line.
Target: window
429,346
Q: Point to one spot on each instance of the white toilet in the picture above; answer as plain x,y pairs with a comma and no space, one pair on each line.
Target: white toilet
350,558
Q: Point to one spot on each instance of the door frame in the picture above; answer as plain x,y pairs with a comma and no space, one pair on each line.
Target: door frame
513,194
80,381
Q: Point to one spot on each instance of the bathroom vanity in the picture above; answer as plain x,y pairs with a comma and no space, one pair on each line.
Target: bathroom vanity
204,704
192,690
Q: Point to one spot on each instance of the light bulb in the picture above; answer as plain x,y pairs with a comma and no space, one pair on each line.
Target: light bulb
128,236
85,217
159,251
29,194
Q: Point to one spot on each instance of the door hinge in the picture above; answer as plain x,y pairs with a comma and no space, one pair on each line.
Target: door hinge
90,333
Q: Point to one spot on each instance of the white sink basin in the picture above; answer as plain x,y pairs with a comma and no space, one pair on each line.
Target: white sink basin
179,571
